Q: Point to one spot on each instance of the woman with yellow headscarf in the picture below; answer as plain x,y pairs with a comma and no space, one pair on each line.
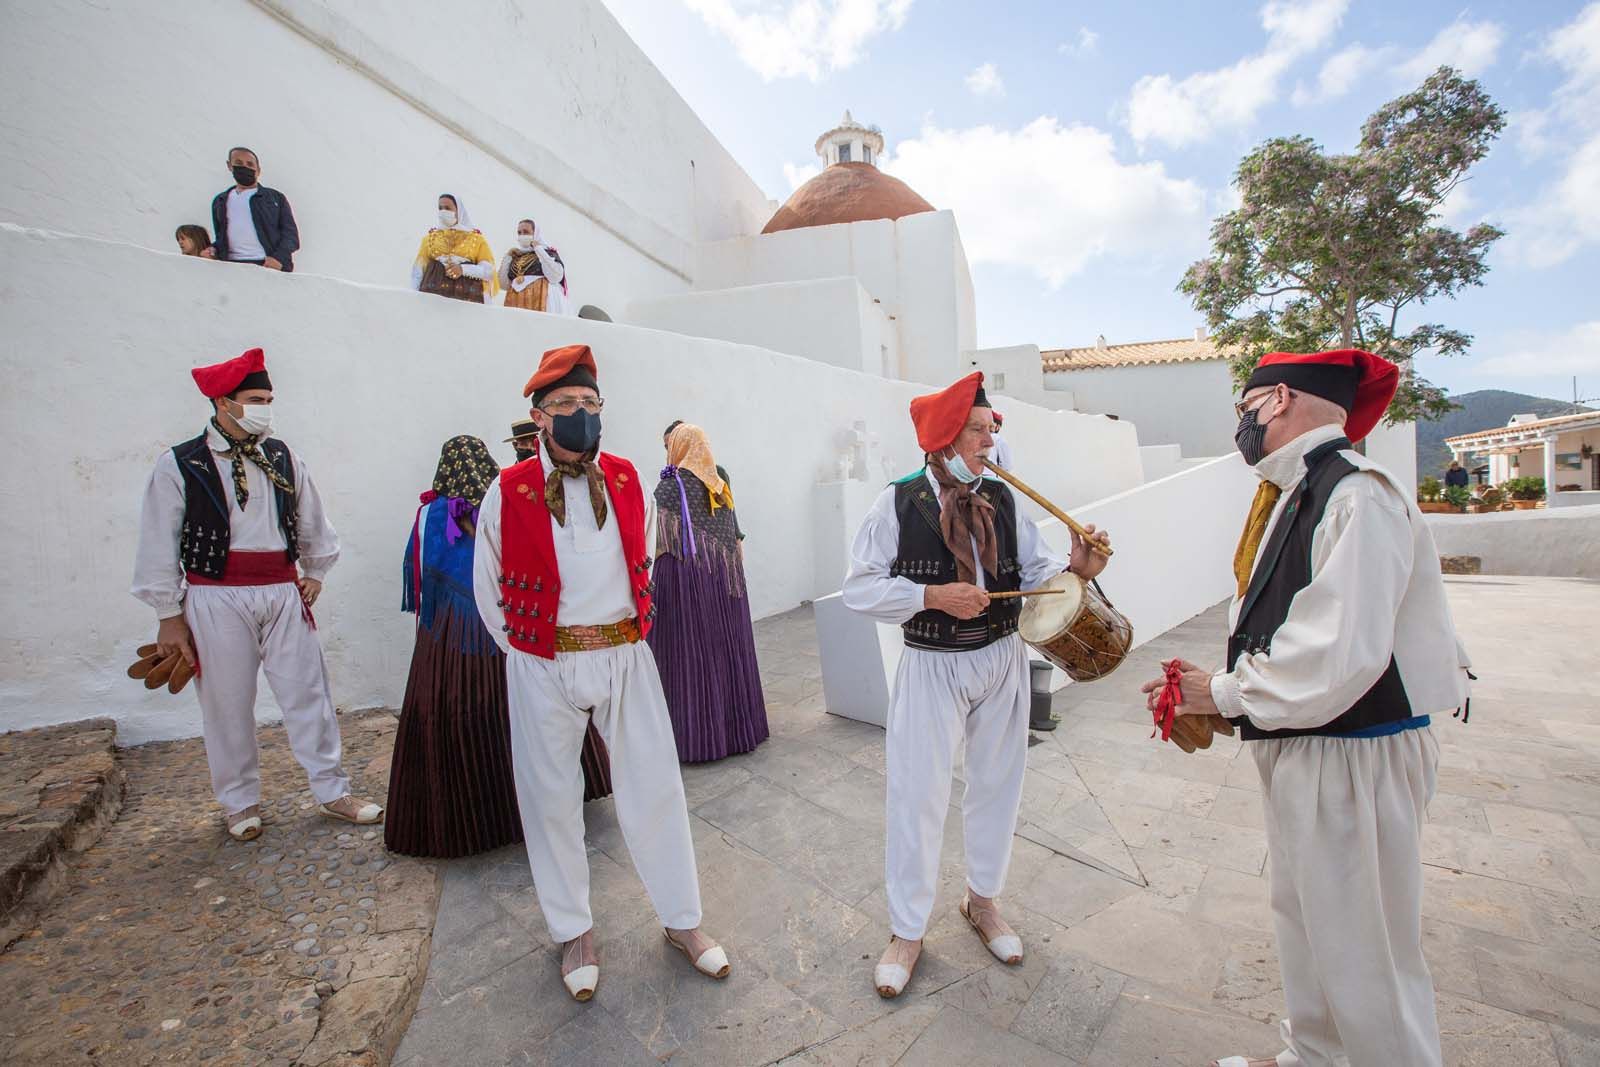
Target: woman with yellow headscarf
702,640
454,259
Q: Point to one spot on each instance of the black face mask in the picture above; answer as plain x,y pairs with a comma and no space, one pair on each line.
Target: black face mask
245,176
524,454
1251,438
577,432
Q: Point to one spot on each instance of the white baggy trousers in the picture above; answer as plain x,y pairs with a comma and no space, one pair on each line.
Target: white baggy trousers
552,701
239,630
1344,829
940,700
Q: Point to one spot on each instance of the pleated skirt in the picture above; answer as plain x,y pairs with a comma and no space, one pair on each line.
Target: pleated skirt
451,790
705,651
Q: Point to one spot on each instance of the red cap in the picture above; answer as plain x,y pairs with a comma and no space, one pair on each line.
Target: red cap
1360,382
571,365
939,417
220,379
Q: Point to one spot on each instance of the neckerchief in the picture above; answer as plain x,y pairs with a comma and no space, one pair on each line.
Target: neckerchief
555,491
249,448
1255,527
965,516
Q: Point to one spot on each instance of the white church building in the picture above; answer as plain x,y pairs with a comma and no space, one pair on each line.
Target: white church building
796,334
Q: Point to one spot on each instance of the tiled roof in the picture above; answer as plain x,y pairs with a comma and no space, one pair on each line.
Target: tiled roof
1182,350
1538,425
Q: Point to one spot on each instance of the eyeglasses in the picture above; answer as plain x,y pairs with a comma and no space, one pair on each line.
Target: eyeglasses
1254,403
591,404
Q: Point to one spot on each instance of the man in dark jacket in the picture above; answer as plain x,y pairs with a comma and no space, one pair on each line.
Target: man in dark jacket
253,224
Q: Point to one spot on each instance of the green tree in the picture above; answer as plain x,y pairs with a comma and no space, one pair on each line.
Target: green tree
1327,250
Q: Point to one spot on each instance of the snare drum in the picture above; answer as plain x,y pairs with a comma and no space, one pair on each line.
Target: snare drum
1077,630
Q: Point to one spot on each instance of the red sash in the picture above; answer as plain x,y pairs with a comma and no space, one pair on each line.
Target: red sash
251,568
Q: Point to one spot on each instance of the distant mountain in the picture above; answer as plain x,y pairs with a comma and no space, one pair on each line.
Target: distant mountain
1482,410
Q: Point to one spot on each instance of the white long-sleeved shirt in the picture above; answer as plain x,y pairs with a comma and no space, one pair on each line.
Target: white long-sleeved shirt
870,589
1375,592
158,571
594,572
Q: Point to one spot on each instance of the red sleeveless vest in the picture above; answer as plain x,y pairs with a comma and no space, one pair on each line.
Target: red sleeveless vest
530,581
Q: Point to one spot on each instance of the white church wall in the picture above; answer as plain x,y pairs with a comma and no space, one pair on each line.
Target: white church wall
832,320
915,266
1394,448
119,126
370,381
1185,404
1016,371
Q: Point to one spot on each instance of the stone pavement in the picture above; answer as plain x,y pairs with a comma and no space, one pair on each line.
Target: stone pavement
1137,885
170,943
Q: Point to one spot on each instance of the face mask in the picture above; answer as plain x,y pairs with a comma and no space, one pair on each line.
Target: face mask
447,219
245,176
959,470
523,454
256,420
1251,438
578,432
525,241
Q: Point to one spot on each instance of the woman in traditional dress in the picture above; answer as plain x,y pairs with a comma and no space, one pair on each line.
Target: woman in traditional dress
702,639
451,790
532,274
454,259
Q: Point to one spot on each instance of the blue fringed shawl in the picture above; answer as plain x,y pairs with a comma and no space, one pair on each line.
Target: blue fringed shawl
440,592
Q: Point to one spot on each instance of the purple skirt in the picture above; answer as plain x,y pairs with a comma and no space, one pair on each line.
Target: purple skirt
706,653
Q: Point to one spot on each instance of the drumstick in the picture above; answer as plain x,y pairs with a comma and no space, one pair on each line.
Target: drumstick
1022,487
1029,592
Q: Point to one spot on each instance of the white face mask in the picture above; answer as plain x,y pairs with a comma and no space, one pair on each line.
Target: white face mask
447,219
525,241
959,470
256,420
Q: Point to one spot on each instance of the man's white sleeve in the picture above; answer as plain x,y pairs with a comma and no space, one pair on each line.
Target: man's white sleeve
486,567
1338,637
1038,563
157,571
869,587
319,541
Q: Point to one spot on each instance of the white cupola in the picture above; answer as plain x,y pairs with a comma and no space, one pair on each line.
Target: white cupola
850,142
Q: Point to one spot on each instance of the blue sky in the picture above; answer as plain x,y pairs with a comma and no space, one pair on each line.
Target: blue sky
1085,147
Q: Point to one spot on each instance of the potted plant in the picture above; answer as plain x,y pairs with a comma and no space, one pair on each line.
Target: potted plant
1491,499
1458,497
1430,496
1525,492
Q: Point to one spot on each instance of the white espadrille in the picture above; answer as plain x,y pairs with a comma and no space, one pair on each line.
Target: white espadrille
365,815
247,829
1007,948
890,978
713,962
582,982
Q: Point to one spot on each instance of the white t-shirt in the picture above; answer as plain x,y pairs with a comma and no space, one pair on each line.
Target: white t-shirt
242,240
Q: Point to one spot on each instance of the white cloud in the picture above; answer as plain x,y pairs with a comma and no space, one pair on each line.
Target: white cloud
1470,47
1574,350
985,81
1179,112
800,38
1087,42
798,174
1564,215
1049,197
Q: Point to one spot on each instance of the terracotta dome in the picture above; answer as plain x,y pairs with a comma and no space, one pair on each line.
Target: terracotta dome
847,192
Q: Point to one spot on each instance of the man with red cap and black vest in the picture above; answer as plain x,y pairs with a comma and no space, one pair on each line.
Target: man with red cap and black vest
934,546
227,516
562,579
1341,647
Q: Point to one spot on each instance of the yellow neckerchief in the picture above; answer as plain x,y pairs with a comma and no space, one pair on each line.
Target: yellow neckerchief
1280,470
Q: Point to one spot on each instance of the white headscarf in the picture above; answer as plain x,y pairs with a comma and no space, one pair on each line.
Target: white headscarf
463,220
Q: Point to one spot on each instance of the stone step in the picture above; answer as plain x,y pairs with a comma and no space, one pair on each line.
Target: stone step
60,786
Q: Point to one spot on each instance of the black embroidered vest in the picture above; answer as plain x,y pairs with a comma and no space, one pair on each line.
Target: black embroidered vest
203,541
1282,570
923,558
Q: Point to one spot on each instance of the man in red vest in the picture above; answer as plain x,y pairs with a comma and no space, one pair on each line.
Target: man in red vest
562,579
